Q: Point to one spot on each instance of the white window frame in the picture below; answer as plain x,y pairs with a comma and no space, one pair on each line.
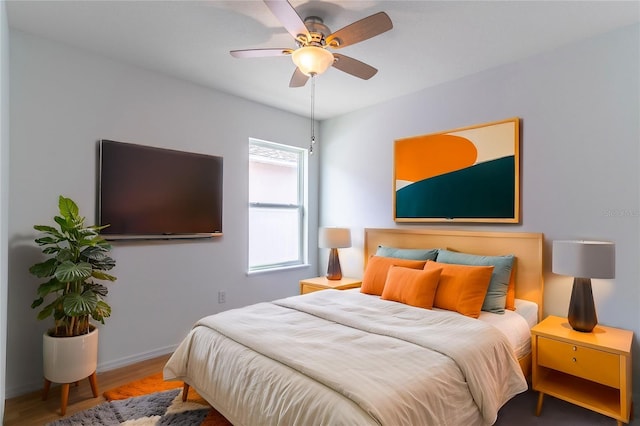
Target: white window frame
301,206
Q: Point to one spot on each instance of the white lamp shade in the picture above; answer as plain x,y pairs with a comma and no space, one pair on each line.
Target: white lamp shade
334,238
584,259
312,60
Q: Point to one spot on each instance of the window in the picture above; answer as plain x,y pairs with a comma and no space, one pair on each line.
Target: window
277,220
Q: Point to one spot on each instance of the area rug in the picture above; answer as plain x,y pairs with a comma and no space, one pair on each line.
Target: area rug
149,401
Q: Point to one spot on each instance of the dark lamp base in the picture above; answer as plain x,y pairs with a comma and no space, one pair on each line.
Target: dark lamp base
333,270
582,310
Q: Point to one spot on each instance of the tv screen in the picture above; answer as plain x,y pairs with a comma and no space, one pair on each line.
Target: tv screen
155,193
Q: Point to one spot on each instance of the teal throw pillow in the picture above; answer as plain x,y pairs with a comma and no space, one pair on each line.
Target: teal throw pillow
403,253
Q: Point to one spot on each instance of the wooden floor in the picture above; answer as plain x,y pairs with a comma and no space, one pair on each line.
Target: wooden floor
31,410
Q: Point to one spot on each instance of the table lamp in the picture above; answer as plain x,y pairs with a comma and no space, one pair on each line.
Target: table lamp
583,260
334,238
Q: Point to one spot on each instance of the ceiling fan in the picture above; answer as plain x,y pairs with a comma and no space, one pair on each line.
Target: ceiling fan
314,39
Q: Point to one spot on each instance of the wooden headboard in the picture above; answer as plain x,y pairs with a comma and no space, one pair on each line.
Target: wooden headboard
526,247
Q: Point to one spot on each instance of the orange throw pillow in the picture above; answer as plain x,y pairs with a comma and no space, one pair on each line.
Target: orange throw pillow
375,275
462,288
413,287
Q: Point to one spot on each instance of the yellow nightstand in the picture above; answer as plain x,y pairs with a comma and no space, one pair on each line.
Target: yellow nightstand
322,283
592,370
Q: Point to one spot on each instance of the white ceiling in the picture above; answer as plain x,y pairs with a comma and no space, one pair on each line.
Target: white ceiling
432,41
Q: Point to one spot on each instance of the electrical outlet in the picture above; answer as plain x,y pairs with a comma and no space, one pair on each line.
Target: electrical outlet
222,297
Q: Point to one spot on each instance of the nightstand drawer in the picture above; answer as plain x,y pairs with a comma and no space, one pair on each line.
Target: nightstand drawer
591,364
310,285
307,288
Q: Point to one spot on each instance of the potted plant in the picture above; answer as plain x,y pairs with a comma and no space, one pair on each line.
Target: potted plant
77,256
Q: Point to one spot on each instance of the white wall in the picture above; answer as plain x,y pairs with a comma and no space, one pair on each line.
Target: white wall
580,159
63,101
4,191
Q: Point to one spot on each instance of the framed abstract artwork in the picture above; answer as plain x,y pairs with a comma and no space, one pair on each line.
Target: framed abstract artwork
471,174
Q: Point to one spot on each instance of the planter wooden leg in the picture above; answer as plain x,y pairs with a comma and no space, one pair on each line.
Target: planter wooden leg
64,391
64,398
45,391
93,380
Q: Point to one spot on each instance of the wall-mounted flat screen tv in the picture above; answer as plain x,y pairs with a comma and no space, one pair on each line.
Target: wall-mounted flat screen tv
154,193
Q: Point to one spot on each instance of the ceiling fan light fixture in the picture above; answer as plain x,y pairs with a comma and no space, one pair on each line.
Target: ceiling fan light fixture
312,60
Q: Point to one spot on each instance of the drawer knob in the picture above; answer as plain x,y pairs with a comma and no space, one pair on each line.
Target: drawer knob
573,359
574,349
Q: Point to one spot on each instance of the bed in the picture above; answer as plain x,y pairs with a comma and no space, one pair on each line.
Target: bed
347,357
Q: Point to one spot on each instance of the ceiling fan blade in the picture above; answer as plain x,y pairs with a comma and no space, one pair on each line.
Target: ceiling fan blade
298,79
353,67
288,17
361,30
260,53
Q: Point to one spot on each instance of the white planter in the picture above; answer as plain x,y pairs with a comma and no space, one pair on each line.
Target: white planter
70,359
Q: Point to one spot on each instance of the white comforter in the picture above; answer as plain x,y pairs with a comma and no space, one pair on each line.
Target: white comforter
334,357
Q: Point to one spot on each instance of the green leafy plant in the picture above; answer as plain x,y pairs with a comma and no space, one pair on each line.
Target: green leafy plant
78,255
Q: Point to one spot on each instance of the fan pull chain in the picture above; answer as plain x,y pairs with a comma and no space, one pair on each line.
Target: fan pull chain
313,95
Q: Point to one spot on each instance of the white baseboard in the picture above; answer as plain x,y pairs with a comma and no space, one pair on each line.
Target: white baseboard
123,362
